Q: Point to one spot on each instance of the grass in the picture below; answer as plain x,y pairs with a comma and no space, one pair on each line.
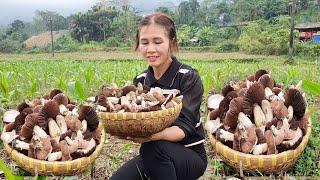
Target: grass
80,75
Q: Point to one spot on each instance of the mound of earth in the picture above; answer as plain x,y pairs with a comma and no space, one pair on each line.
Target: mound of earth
43,39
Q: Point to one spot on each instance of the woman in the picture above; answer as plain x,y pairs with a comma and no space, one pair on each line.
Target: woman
177,152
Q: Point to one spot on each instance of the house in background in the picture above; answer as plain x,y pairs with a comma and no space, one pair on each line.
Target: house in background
309,31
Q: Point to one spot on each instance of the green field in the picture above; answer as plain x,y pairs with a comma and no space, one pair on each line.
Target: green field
80,75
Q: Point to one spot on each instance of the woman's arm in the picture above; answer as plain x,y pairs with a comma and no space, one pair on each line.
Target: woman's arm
172,134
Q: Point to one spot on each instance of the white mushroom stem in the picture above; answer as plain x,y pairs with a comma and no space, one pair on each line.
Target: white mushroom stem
260,149
69,140
38,131
290,113
54,129
269,94
113,100
10,115
259,117
225,135
55,156
281,96
214,101
84,126
74,112
8,137
20,145
62,124
63,109
243,119
44,101
91,99
101,108
266,108
212,125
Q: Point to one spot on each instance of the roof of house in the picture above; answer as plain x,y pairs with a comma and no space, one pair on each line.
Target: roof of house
302,26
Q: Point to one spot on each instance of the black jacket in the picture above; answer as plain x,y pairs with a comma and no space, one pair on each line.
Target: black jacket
186,79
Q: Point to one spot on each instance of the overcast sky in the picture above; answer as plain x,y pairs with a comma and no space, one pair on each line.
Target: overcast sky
25,9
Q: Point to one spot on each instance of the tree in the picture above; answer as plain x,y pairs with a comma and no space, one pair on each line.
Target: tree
15,26
42,17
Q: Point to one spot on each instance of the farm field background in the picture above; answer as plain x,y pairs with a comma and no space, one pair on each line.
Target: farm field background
80,75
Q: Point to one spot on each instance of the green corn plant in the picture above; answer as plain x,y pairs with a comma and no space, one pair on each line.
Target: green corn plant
9,175
312,87
4,85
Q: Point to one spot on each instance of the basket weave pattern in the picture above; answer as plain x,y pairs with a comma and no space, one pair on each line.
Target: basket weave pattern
140,124
42,167
263,163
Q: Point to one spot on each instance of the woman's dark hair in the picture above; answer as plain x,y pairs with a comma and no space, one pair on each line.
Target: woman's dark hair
162,20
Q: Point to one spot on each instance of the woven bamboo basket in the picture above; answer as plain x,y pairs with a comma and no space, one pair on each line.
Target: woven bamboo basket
140,124
57,168
274,163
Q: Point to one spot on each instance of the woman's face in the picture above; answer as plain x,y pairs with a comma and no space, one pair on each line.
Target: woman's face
154,45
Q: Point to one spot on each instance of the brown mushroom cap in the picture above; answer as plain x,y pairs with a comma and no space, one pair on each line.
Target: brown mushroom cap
259,73
214,114
88,113
73,123
276,90
126,89
51,109
235,107
61,99
22,106
256,93
226,89
294,98
266,81
108,90
260,135
54,92
250,78
27,128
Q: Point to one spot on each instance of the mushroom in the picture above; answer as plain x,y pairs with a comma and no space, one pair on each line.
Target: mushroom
65,151
256,93
245,121
212,125
226,89
294,98
259,117
266,81
62,124
20,145
126,89
27,128
55,156
54,92
87,151
22,106
248,140
279,110
271,142
89,114
259,73
62,101
43,148
10,115
54,129
19,120
224,135
235,107
8,137
214,101
266,108
73,123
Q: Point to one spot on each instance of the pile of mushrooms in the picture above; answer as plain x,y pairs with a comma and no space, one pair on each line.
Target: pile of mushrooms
131,98
52,128
258,116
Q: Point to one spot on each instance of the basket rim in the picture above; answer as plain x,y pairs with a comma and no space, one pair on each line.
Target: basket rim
304,141
87,159
140,115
